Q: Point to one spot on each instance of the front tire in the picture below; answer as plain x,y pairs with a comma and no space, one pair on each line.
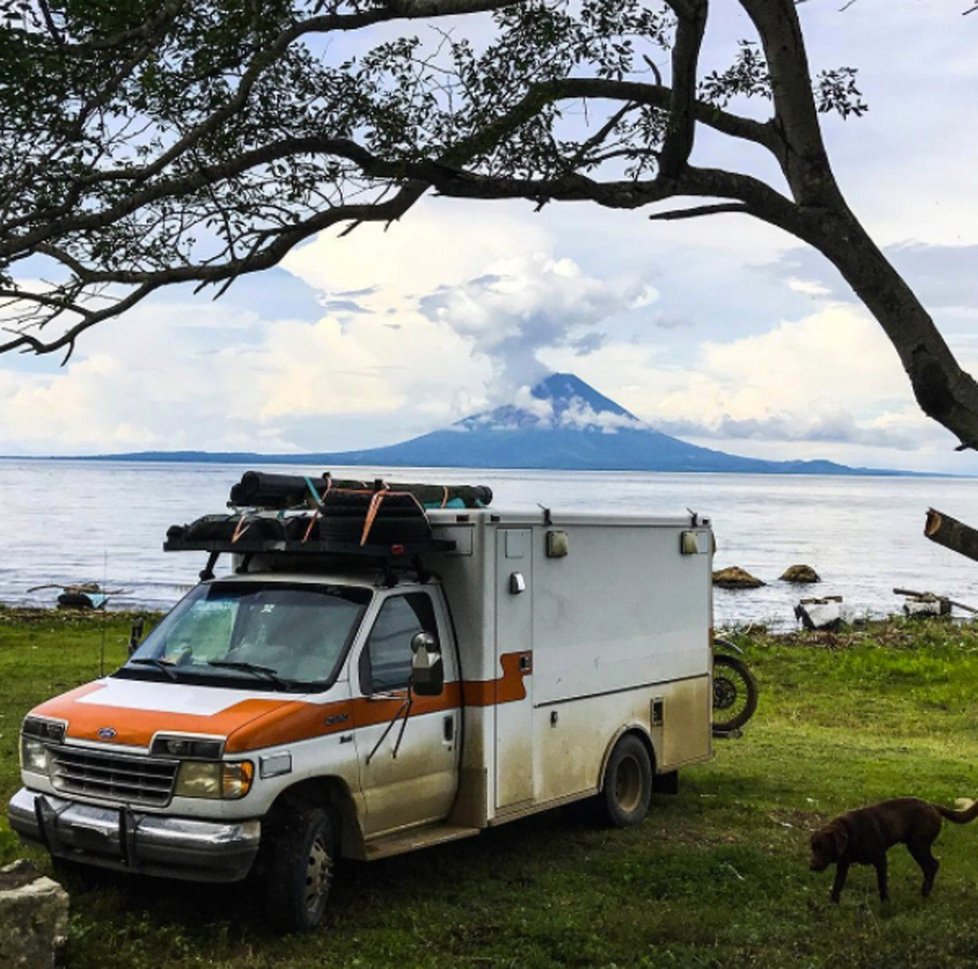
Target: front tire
300,870
627,789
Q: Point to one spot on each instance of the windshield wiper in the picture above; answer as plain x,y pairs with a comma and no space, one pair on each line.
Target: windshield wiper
160,664
254,668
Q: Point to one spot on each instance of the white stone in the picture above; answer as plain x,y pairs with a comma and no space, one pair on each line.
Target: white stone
33,918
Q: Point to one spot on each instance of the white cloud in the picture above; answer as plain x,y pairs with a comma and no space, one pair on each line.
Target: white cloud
827,385
807,287
524,304
580,416
543,410
143,383
488,274
438,242
333,369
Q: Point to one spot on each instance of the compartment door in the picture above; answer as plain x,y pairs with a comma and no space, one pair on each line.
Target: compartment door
514,667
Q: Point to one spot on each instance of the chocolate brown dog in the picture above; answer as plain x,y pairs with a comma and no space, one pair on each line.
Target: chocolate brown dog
863,837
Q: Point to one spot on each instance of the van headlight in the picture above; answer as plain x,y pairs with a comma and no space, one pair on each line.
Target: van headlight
221,781
33,755
44,728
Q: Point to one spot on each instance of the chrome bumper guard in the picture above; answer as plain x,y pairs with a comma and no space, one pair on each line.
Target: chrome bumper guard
151,844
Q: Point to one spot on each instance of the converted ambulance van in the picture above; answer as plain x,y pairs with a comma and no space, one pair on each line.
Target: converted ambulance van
375,675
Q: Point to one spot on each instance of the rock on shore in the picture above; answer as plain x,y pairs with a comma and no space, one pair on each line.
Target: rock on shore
800,574
735,577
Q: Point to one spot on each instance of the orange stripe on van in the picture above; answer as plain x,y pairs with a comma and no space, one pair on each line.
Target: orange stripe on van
257,723
50,708
507,688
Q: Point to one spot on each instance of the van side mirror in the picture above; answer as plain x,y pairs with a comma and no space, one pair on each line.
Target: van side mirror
427,671
135,634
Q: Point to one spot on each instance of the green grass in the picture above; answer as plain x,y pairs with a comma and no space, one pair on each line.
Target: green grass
716,876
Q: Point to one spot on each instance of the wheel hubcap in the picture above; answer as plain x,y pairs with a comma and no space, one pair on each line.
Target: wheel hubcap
724,693
317,875
628,784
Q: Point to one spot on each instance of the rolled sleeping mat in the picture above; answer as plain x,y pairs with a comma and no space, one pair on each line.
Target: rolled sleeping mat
227,528
430,495
261,489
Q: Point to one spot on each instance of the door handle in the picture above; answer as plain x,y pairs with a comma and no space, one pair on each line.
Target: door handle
448,727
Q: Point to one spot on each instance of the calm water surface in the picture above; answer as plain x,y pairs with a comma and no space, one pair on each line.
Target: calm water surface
73,521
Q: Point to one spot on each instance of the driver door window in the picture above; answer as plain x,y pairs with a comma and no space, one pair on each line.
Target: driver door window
385,663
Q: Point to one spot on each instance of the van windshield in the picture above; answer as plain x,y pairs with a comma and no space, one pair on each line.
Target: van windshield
274,635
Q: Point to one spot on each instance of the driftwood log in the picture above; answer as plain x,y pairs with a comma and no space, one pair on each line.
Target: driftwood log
933,597
951,533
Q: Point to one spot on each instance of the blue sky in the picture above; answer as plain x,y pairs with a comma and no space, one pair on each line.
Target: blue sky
721,331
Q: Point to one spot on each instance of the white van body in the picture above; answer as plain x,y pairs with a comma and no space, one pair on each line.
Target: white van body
559,635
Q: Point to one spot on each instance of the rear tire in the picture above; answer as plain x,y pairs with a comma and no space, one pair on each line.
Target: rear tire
627,789
299,870
734,693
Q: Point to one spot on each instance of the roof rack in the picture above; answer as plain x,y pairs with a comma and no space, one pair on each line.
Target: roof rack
215,533
323,516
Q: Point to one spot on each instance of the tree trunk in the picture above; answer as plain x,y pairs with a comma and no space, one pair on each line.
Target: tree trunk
944,391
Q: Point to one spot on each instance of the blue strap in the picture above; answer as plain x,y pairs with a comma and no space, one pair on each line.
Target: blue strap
315,494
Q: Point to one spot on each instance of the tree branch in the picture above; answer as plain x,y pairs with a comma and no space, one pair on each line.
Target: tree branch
658,96
685,60
696,212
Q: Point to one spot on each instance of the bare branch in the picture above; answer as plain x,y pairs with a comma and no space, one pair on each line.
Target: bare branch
696,212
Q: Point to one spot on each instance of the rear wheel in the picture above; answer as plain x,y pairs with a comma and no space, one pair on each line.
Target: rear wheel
299,870
734,692
627,789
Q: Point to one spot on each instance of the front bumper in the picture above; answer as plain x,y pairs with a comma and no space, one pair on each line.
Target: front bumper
123,839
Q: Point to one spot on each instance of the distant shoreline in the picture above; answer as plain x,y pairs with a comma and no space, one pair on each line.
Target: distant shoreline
319,460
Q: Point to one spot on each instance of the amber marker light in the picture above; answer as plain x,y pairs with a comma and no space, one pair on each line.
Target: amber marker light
236,779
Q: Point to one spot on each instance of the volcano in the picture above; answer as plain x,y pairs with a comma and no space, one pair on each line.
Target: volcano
561,423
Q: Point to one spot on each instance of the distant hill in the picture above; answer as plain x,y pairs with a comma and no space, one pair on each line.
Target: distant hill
564,424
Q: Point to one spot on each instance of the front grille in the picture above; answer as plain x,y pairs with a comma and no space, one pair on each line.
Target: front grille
116,777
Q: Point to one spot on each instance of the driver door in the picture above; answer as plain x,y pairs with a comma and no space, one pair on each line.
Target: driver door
407,747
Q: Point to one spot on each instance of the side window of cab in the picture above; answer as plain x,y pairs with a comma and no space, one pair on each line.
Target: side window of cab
385,663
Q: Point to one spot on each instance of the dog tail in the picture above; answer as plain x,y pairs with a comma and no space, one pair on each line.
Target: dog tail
959,817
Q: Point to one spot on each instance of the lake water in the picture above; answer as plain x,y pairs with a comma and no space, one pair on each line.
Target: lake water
72,521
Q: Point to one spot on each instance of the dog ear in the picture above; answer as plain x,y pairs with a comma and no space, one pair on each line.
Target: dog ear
840,838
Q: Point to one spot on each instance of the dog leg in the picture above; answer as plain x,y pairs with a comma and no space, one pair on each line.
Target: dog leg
841,870
881,878
928,863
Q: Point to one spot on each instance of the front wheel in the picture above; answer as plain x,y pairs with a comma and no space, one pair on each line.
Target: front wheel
734,692
300,870
627,788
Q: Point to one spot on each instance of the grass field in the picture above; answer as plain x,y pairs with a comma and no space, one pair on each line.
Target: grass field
716,876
